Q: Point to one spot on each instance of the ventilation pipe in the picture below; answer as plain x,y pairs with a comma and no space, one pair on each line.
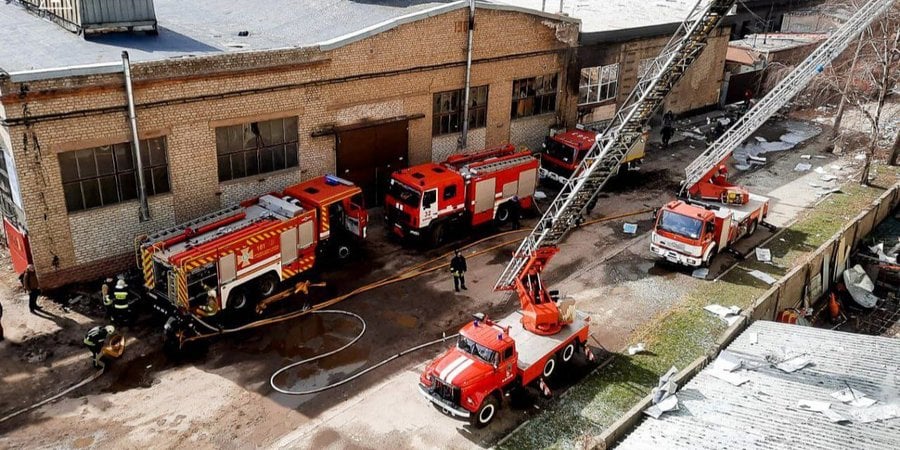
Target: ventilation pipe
463,138
135,141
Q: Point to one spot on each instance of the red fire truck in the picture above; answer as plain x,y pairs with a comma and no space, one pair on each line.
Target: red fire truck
715,215
470,190
219,266
492,359
563,151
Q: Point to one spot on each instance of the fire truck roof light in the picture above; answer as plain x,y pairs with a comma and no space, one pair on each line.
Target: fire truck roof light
335,180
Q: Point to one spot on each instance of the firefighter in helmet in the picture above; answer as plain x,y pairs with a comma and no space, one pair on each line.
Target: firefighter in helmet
95,339
122,303
721,176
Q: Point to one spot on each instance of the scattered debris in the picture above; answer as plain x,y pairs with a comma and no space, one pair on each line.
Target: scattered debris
889,257
805,156
860,156
860,286
733,378
847,395
756,159
540,195
835,416
760,139
794,364
727,362
875,413
828,178
664,399
802,167
636,348
700,273
813,405
729,315
630,228
763,255
766,278
863,402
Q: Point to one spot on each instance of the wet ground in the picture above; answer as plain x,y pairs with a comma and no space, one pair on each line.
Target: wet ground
219,396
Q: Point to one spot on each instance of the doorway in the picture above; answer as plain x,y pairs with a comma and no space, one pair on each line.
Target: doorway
367,156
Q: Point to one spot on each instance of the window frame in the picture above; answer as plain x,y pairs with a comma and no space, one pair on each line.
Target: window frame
534,96
598,84
113,169
247,154
447,110
449,191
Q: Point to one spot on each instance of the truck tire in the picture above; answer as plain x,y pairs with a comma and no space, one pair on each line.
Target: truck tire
567,353
267,285
708,261
752,228
342,252
503,213
486,413
436,237
549,367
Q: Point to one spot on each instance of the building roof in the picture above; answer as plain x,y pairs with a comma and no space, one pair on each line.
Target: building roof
204,27
615,15
763,412
777,42
743,56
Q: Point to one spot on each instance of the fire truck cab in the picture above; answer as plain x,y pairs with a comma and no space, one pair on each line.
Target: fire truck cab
229,260
562,152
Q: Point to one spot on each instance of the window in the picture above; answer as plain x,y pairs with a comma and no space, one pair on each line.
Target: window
598,84
449,192
448,110
533,96
644,65
257,147
6,201
429,198
106,175
507,353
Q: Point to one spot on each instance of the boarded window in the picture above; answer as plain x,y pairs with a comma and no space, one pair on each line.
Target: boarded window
448,110
258,147
106,175
533,96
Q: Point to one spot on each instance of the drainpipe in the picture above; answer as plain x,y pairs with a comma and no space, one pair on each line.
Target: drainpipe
135,141
463,138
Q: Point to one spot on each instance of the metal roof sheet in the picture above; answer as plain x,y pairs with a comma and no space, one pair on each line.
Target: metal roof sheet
763,412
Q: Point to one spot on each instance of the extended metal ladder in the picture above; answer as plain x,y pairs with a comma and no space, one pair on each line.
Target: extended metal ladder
196,223
494,166
795,82
603,159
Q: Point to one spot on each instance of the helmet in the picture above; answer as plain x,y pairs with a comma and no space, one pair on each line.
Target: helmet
121,284
723,169
110,329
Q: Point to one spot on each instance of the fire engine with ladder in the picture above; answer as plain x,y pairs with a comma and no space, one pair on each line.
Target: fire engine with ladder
714,213
493,358
466,190
213,270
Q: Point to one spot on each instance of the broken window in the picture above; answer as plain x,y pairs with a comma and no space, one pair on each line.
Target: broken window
258,147
598,84
106,175
534,96
448,110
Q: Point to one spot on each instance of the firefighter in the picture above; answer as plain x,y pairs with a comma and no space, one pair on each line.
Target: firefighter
30,283
668,129
458,269
121,303
211,306
95,339
515,212
721,176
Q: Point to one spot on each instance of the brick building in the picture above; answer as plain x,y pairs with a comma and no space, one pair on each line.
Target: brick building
230,110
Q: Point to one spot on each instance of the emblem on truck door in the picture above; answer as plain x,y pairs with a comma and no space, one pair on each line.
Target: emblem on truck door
246,256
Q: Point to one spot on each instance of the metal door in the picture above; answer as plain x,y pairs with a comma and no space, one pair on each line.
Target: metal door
367,156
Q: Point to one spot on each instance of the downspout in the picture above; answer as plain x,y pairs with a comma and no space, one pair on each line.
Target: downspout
135,141
463,138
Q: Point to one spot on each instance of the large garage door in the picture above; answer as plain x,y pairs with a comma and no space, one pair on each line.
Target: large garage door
367,156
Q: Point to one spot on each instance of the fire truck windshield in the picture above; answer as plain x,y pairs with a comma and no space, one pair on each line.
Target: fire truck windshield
682,225
479,351
405,194
559,151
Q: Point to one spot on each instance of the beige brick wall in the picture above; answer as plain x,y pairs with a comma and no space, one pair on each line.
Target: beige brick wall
446,145
394,73
101,232
531,131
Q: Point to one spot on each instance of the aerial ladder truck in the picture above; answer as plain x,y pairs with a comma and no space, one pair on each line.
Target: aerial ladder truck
713,213
492,358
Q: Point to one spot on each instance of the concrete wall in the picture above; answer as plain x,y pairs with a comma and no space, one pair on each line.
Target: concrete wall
394,73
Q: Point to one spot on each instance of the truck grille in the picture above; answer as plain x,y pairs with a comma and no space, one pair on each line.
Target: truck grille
397,216
446,392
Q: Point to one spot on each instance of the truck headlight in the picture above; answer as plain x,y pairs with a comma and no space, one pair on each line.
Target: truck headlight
470,401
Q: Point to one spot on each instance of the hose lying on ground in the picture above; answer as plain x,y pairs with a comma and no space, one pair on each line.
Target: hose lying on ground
55,397
332,352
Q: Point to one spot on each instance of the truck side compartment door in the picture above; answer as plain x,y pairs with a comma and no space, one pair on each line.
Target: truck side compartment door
527,183
288,246
429,206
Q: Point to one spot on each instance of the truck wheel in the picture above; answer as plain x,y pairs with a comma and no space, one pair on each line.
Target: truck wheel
485,414
502,216
267,285
342,252
437,235
708,261
752,228
568,352
549,367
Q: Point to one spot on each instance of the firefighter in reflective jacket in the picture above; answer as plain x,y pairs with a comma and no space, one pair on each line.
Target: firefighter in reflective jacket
121,303
95,340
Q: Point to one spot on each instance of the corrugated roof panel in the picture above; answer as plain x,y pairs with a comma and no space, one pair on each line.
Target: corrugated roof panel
763,412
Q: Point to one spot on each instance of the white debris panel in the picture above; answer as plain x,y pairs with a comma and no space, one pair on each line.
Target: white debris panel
775,409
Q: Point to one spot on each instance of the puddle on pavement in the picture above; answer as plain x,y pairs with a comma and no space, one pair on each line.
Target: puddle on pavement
786,136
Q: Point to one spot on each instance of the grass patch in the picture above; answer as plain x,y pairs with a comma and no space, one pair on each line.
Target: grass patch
686,331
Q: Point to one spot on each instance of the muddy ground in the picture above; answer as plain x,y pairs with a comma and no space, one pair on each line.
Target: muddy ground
219,396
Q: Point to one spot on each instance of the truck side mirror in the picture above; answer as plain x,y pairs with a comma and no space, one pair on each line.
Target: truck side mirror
710,227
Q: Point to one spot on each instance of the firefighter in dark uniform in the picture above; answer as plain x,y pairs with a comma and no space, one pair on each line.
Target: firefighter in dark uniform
95,340
458,269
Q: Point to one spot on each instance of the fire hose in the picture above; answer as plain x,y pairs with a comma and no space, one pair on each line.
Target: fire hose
55,397
341,348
